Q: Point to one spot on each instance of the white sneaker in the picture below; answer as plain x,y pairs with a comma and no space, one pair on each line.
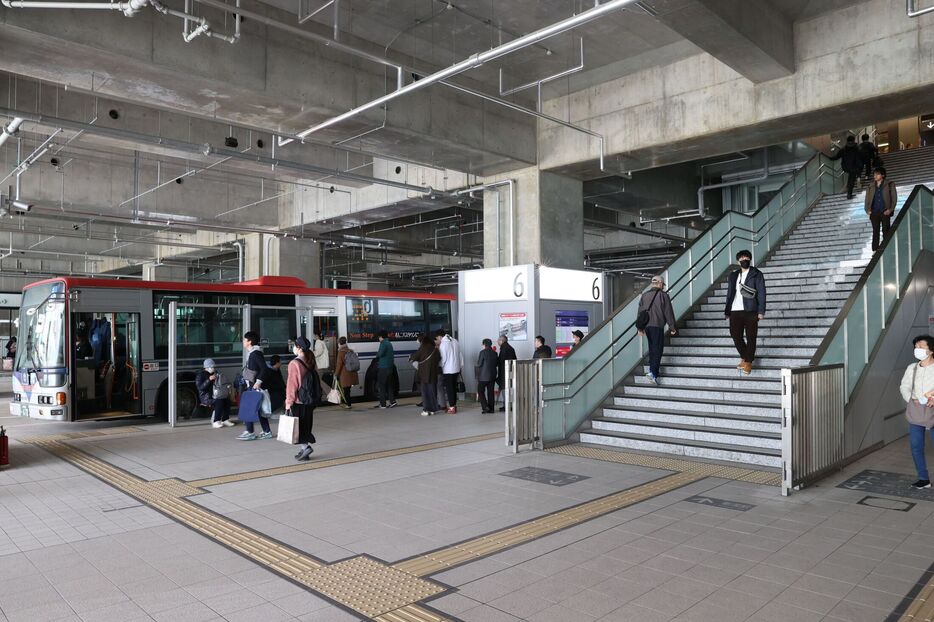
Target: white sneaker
217,424
228,423
425,413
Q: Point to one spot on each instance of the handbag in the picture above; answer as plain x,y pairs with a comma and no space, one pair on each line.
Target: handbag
918,414
288,429
266,405
642,318
334,396
248,375
250,404
220,390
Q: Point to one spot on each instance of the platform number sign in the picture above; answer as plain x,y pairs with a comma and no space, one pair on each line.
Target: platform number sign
595,289
518,285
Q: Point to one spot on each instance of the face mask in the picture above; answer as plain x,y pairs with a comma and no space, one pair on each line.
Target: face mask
921,354
210,370
744,263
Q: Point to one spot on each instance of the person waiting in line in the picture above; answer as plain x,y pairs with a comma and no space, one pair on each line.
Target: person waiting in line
542,350
917,388
254,375
487,373
11,348
275,384
323,364
577,336
205,380
881,199
83,349
348,378
451,365
658,305
427,361
869,154
506,353
852,163
385,365
298,404
745,306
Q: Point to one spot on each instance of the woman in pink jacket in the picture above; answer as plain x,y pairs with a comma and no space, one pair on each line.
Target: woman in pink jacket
297,404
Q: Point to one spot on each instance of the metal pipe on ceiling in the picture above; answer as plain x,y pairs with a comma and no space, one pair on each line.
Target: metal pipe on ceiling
206,150
702,211
914,12
130,8
240,259
10,128
474,60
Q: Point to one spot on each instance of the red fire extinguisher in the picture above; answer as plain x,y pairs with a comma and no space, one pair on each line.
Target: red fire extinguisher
4,448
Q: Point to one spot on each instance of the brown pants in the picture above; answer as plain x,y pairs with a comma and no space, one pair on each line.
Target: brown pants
744,322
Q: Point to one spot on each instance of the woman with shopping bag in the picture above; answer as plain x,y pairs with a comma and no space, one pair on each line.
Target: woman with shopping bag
302,392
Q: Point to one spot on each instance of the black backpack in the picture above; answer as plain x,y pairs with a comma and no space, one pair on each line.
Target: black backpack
309,391
642,319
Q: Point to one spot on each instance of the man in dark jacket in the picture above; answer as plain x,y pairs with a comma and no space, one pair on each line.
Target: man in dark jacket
205,380
487,373
881,199
869,153
745,306
506,353
542,351
658,304
852,163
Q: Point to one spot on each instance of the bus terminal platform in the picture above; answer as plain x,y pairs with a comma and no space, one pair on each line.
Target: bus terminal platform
399,517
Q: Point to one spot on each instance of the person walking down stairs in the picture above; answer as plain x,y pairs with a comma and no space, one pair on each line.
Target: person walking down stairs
745,306
881,199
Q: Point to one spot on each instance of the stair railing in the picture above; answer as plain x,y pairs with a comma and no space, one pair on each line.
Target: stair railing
864,318
576,385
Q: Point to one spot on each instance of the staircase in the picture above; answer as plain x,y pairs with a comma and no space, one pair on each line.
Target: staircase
702,406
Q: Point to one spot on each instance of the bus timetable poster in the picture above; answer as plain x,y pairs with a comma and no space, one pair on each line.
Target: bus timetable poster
566,322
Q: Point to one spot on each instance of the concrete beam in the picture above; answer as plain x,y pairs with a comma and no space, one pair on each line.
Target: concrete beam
751,36
855,66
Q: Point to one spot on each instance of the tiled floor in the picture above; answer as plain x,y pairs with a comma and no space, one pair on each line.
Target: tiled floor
73,547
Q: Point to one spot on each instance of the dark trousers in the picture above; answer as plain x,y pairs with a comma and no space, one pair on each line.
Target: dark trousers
880,225
221,410
487,395
346,395
744,322
851,178
384,385
450,389
429,397
263,422
656,337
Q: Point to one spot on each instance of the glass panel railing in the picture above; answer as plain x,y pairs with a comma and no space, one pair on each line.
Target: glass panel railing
576,385
862,322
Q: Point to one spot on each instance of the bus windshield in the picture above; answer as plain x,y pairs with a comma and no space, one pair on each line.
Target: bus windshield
42,330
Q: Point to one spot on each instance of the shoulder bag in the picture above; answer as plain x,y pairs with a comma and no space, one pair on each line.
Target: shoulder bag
918,414
642,319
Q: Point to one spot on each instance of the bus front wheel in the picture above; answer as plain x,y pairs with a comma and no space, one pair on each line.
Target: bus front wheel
186,401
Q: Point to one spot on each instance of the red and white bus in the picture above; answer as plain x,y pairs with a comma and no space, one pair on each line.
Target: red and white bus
98,348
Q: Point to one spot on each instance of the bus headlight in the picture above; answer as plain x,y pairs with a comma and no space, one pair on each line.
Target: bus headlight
60,398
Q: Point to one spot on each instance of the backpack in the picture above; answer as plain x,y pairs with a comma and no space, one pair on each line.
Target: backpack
642,319
351,361
309,391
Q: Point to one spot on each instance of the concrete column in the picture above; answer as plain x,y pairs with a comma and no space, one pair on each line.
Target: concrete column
544,225
162,272
298,258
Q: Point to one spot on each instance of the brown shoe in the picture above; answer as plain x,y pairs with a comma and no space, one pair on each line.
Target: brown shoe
747,368
741,364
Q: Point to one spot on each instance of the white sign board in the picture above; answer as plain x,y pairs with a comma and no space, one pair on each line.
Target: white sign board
496,284
576,285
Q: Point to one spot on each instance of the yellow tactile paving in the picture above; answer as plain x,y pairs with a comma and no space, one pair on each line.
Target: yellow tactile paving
323,464
922,607
410,613
754,476
437,561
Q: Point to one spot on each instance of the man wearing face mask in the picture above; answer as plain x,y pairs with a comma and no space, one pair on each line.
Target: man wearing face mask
745,306
917,389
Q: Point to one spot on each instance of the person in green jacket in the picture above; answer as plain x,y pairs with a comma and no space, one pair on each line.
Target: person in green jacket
385,364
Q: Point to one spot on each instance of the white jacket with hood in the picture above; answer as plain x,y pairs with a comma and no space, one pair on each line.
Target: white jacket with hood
451,359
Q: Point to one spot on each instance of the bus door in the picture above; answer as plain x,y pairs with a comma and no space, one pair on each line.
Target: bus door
106,364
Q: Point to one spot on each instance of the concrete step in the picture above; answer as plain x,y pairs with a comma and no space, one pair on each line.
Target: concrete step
686,448
779,287
663,393
813,264
795,272
760,371
720,321
835,303
687,405
661,415
807,242
729,362
731,351
742,383
821,254
763,341
681,432
723,331
776,315
812,295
